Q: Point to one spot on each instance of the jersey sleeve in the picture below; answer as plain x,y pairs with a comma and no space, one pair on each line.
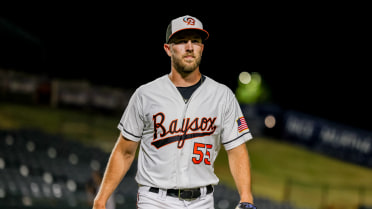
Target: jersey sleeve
131,123
235,129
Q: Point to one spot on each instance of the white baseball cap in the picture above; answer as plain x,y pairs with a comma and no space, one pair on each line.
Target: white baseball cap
186,22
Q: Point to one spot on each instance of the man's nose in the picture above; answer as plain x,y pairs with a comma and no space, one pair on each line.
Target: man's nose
189,46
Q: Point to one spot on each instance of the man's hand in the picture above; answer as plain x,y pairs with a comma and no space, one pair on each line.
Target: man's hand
245,205
98,205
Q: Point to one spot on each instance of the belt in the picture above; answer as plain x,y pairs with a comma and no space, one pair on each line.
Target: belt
185,194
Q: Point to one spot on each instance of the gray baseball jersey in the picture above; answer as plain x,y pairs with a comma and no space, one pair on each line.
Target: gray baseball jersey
180,140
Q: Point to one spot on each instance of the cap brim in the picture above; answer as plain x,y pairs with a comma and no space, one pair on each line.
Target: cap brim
204,34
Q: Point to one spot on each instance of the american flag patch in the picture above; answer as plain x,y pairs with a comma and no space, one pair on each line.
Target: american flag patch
242,125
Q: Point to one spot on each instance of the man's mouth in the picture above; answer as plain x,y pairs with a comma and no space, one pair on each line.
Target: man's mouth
189,56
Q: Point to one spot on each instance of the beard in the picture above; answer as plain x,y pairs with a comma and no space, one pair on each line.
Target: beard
183,66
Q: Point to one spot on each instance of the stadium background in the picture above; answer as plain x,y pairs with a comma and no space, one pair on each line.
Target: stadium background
310,58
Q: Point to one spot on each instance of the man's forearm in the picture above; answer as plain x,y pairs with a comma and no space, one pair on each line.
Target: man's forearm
241,172
119,163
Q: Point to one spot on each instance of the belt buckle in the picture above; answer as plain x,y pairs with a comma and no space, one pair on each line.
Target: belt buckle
181,195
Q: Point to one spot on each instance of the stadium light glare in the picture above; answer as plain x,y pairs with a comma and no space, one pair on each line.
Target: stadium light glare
250,88
256,79
245,77
270,121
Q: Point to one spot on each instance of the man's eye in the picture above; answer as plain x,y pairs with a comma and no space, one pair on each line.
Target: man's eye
181,42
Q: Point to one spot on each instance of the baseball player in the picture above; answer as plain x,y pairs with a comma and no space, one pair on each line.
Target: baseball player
180,121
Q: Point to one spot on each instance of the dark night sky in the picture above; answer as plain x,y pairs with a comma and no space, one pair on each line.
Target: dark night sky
313,57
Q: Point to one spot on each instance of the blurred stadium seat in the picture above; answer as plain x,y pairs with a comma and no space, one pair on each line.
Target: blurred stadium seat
39,170
45,171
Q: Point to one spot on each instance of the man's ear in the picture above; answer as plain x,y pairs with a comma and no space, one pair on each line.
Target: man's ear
167,48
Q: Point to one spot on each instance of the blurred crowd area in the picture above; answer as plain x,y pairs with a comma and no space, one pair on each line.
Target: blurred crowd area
23,87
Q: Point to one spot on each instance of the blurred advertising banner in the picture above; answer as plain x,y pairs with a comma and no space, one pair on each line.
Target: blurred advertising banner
327,137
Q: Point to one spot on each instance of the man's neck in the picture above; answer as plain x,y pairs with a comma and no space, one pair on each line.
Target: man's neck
185,80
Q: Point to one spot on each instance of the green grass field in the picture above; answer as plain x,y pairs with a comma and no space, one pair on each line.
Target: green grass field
280,171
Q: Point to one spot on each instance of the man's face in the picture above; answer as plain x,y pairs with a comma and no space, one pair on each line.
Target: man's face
185,50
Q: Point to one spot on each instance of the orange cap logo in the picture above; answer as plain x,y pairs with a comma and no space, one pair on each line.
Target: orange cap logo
189,21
